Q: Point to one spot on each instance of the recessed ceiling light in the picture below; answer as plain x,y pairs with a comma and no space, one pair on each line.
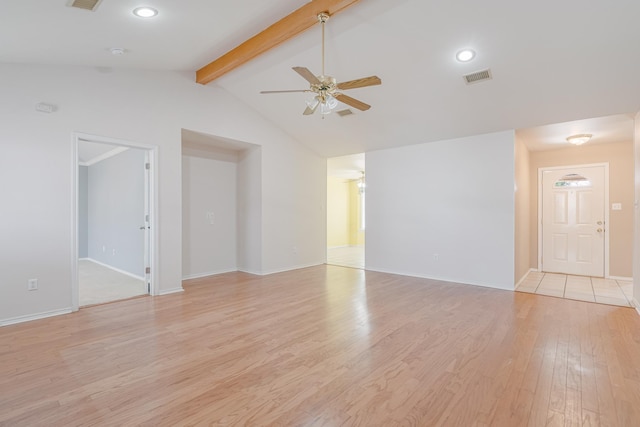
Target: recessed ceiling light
465,55
145,12
117,51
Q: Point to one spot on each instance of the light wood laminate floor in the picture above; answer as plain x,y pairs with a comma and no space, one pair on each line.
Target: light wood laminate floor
326,346
346,256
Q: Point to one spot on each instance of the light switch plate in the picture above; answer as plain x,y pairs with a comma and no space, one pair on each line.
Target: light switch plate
616,206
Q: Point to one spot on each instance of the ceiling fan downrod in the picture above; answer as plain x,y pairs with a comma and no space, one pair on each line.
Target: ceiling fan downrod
323,17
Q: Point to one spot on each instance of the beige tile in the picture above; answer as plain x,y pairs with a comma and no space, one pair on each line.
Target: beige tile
604,283
580,296
525,289
550,292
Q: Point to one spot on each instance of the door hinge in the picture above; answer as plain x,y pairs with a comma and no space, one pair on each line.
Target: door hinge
147,166
148,288
147,270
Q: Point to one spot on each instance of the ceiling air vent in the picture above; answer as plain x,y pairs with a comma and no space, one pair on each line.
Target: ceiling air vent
478,76
343,113
91,5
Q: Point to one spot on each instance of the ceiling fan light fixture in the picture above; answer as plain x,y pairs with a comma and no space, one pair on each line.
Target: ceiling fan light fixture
313,102
579,139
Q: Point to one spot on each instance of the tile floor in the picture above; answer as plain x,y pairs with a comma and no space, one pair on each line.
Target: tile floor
346,256
99,284
593,289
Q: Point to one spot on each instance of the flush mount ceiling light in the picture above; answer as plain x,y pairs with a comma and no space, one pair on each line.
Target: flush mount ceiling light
117,51
579,139
465,55
145,12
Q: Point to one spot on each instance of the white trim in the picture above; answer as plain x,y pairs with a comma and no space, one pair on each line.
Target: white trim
626,279
636,304
154,278
284,270
37,316
210,273
606,209
104,156
126,273
171,291
508,288
522,279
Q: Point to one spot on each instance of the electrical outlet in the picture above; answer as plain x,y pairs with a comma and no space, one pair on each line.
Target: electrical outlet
32,285
436,257
113,252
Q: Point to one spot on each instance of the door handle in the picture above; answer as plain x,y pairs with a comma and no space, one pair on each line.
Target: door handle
599,222
599,230
142,227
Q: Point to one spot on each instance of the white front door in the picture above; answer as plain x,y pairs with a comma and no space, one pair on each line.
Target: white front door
573,220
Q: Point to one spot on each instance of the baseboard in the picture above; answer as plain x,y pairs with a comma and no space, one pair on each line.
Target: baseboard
441,279
37,316
522,279
298,267
126,273
171,291
210,273
636,304
626,279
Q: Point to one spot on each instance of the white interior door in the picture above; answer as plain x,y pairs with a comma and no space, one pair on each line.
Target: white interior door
573,220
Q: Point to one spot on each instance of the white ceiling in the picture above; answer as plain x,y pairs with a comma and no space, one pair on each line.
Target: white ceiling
551,61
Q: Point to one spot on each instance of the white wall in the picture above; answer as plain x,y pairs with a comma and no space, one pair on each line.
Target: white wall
83,211
522,211
636,246
208,216
452,198
249,208
116,211
148,107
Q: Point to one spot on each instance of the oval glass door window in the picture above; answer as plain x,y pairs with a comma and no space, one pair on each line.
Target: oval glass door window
572,180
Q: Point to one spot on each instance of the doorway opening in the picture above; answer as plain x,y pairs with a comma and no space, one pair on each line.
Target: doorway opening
346,219
113,220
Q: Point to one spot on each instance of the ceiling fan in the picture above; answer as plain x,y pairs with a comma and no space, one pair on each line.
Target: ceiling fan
326,88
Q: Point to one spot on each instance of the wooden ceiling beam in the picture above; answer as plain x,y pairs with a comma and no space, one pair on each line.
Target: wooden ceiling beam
286,28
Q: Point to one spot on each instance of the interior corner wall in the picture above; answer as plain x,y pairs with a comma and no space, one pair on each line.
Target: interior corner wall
208,216
621,190
356,232
83,211
337,212
636,251
249,211
116,211
522,211
294,216
151,108
444,210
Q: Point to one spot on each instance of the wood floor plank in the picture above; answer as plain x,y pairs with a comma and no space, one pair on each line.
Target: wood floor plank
325,346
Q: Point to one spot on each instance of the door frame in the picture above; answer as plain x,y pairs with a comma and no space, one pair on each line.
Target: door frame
606,210
152,250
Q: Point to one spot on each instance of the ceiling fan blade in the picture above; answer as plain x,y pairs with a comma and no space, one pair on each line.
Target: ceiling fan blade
352,102
307,75
363,82
284,91
309,110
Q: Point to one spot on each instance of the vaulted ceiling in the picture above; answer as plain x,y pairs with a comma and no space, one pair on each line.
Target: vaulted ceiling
551,61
